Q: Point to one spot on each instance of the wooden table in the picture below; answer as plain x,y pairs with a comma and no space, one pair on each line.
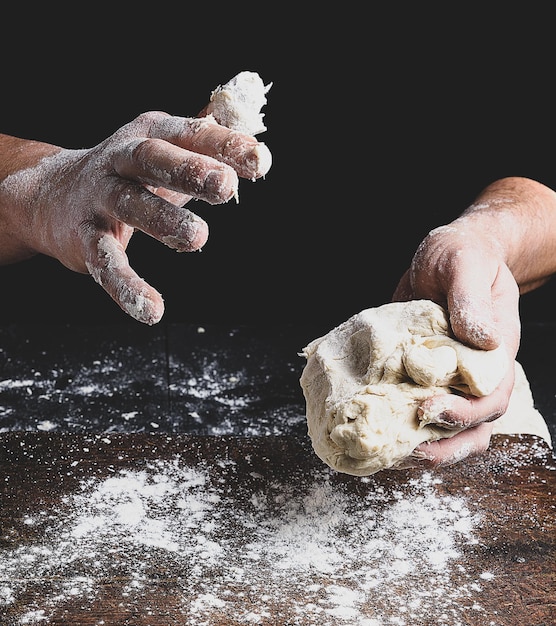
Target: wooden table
162,476
160,530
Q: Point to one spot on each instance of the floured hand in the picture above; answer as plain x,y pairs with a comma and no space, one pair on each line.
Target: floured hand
476,267
367,383
454,268
82,206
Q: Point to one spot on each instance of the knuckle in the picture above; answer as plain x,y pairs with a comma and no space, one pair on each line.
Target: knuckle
149,119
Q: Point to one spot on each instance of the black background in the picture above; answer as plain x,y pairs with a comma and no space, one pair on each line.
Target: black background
383,124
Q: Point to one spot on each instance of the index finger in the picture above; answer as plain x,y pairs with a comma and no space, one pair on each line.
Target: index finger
157,163
465,411
250,158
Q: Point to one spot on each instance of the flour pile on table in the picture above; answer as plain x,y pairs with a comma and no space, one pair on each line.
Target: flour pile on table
353,557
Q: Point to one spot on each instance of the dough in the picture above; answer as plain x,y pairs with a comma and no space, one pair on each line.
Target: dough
364,380
238,103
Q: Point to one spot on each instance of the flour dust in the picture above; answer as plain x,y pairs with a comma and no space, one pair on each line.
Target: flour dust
331,556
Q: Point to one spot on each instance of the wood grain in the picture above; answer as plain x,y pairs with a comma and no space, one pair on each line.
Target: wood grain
512,487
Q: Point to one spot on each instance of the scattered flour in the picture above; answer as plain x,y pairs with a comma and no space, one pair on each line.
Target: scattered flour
127,391
339,557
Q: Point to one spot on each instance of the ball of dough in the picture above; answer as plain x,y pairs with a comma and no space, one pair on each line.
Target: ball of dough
364,380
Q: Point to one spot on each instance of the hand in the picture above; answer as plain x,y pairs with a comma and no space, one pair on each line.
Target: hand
463,270
82,206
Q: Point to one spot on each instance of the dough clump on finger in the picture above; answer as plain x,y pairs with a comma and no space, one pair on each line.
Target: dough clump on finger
364,380
237,104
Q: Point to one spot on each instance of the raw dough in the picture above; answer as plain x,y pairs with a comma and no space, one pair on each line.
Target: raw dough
364,380
238,103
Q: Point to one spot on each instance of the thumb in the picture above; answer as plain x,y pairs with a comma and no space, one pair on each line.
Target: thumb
111,270
472,319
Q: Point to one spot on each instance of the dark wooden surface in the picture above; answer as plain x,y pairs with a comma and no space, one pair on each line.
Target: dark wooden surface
505,575
212,379
80,404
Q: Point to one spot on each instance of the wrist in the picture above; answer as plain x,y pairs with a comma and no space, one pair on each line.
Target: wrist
21,182
518,215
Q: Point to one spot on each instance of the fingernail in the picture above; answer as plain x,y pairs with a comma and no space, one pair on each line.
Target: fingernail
435,413
190,234
443,419
220,185
258,162
143,305
144,310
420,455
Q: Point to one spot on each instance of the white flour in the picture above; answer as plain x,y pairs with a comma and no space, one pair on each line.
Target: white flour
210,393
334,554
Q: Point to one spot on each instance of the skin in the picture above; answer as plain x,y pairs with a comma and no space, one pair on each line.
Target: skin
502,246
83,206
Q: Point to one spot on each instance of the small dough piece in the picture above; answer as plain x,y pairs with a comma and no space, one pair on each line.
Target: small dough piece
238,103
364,380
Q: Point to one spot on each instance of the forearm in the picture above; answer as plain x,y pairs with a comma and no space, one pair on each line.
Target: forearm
519,216
16,196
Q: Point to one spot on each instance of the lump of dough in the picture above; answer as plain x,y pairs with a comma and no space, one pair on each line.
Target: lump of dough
364,380
238,103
